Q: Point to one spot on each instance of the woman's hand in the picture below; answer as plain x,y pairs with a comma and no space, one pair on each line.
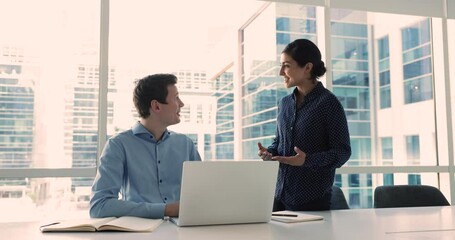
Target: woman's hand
263,153
296,160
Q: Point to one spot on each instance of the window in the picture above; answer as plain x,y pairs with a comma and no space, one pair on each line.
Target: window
383,69
387,150
417,66
260,71
48,102
223,145
414,179
388,179
413,149
354,180
338,180
384,73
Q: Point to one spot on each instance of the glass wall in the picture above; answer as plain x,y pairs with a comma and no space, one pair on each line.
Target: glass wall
262,88
185,46
223,144
381,73
48,101
388,70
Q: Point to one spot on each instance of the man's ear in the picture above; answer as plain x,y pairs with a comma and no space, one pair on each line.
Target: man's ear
154,106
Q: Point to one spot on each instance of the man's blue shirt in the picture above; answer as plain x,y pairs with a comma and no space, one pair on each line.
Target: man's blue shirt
146,173
319,128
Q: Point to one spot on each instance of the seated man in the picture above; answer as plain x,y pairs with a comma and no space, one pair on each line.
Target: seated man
144,164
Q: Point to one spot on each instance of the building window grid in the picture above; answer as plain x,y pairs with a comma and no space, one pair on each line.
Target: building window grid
384,73
417,69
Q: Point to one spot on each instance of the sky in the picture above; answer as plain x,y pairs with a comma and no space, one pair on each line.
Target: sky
172,33
148,33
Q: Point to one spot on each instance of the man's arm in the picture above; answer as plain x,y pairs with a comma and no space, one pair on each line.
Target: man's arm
106,187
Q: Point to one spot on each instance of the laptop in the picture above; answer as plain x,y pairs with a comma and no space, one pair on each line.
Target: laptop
226,192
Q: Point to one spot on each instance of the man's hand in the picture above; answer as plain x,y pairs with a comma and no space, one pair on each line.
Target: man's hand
263,153
296,160
172,209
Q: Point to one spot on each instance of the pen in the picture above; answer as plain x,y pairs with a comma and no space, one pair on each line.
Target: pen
283,215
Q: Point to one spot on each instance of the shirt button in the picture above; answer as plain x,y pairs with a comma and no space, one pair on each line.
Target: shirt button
165,199
159,161
161,181
292,128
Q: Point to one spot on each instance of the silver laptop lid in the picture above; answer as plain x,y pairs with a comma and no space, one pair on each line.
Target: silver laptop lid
227,192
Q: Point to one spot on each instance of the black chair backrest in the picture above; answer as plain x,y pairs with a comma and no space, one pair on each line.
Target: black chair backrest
408,196
338,200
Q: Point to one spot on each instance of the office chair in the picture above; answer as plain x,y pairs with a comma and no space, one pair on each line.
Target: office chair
338,200
408,196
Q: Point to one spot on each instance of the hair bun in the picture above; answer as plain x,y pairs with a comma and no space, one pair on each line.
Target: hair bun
319,69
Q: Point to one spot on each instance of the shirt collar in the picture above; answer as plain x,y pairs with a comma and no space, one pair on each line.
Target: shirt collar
139,130
311,95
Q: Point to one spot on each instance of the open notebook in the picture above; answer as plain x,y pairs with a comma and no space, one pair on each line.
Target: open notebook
126,223
226,192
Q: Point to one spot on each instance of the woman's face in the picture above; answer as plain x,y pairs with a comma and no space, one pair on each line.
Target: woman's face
293,74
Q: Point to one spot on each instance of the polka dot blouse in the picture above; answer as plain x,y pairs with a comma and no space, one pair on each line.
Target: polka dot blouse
318,128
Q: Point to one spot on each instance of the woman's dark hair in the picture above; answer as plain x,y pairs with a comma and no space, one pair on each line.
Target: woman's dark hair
152,87
304,51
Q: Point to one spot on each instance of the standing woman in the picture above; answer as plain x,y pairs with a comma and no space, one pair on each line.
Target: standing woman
312,138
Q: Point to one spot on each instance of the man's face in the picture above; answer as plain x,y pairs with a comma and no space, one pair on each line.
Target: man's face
171,110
